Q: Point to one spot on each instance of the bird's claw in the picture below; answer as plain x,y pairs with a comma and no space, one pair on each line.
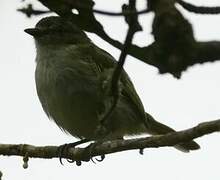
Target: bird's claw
90,149
63,149
102,158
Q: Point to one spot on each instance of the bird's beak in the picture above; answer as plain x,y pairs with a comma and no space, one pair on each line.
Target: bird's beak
33,31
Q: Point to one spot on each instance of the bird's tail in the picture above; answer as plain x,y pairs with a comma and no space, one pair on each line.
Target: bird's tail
157,128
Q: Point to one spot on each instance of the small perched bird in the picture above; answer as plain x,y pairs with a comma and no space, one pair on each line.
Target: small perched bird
70,74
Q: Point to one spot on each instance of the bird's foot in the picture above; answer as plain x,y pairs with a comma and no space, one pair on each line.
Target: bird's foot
90,148
63,149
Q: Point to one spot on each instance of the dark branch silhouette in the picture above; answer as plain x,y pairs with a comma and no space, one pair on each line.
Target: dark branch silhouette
154,54
199,9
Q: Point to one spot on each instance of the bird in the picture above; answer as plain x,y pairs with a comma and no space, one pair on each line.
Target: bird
71,73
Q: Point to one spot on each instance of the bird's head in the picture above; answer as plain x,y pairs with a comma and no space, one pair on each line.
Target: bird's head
57,31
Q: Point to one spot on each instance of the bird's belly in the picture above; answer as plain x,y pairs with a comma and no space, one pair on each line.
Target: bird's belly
76,114
74,103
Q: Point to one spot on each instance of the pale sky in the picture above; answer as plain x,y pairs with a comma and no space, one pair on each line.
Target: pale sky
179,103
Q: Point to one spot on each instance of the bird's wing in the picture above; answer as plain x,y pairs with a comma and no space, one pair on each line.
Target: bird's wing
104,60
100,61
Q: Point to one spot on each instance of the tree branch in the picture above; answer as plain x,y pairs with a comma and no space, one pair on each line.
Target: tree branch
29,11
207,52
108,147
153,54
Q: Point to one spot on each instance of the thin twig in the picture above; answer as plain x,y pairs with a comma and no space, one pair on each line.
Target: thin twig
118,70
144,11
29,11
199,9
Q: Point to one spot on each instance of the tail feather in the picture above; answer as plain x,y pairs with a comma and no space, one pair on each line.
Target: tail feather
156,128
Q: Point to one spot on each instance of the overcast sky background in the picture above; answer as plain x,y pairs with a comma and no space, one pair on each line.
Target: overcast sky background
179,103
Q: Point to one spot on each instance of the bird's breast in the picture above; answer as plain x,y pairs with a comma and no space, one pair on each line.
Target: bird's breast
69,96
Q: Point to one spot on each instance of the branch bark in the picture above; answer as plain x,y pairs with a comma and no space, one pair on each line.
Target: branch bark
108,147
